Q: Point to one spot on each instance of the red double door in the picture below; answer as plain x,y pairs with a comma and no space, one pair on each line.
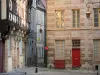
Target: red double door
75,57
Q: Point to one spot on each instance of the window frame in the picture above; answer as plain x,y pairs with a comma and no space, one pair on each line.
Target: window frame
76,43
59,47
75,18
96,48
62,18
96,16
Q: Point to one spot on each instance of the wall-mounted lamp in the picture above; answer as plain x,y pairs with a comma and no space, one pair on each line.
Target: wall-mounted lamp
40,30
94,4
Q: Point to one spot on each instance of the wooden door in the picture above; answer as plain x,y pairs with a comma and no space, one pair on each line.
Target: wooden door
75,57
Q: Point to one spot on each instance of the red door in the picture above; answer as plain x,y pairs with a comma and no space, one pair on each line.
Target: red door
75,57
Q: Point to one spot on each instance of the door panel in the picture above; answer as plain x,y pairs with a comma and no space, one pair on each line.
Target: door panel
76,57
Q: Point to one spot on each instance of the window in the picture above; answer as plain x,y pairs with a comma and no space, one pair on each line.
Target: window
96,48
59,19
9,48
76,18
96,17
60,47
76,43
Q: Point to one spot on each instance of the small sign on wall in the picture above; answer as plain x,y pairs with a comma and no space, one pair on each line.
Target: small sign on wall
46,48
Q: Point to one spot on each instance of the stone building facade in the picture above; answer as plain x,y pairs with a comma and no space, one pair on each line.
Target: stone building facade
14,53
71,33
15,28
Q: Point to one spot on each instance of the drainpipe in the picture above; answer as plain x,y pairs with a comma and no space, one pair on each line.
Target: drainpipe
45,51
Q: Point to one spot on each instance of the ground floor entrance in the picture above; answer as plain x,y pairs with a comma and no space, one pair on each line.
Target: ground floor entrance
76,57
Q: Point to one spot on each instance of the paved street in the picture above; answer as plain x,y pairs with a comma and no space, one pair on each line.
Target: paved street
45,71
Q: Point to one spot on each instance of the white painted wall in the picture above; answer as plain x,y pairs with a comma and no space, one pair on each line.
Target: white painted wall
21,61
9,64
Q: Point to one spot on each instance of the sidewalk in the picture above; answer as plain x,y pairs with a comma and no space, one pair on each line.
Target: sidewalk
32,69
43,71
25,70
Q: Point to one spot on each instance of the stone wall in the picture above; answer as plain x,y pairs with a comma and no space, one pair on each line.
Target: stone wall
6,57
86,32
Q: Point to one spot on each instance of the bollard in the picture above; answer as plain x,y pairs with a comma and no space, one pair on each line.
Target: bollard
36,70
25,73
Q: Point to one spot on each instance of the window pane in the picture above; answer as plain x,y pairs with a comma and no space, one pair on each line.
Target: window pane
59,18
96,24
59,51
95,10
96,47
78,18
76,43
73,18
95,17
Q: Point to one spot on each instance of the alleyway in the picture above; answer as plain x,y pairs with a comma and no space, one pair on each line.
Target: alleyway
46,71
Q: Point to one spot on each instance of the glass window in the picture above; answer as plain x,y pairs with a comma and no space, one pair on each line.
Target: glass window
59,19
96,19
76,43
60,47
73,18
76,18
96,48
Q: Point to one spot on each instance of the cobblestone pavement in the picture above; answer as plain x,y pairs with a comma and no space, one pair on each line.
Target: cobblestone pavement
46,71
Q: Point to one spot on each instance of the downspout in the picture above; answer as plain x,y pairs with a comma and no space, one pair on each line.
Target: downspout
45,51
